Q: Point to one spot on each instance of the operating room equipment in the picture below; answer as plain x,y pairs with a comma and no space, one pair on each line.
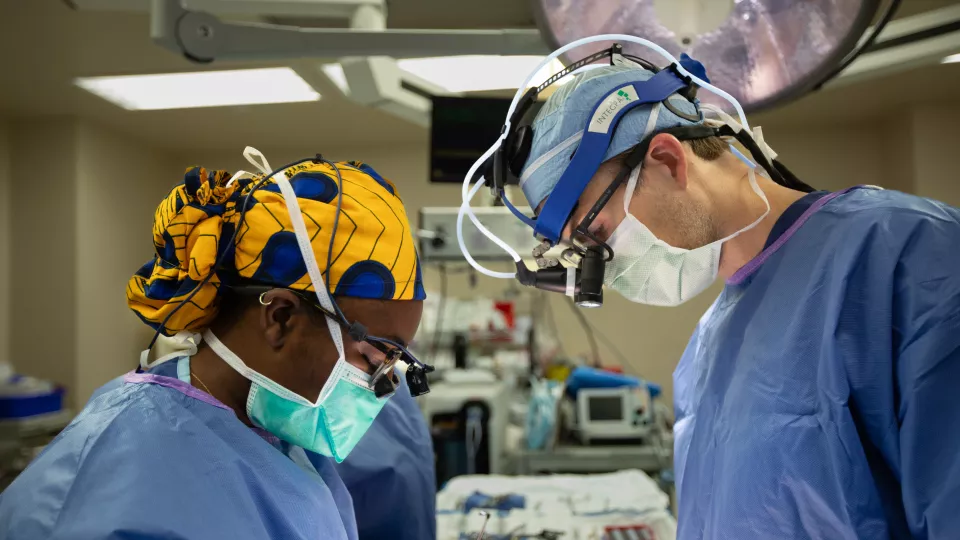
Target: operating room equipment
24,397
437,234
590,377
486,519
582,275
202,37
503,502
460,130
541,413
32,412
358,38
467,413
578,459
474,435
613,414
628,532
561,505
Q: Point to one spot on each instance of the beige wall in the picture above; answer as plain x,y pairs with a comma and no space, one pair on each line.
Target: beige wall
43,322
119,184
898,159
79,228
834,157
935,145
5,224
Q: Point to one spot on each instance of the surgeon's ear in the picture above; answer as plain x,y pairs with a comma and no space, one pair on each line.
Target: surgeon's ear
667,156
278,309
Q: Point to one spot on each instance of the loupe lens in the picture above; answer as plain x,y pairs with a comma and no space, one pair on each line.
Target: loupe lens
386,367
417,380
589,303
385,386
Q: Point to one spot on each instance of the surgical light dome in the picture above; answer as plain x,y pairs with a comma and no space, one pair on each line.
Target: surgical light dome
763,52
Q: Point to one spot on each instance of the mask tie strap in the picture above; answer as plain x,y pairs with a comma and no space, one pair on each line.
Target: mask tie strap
756,133
313,270
257,159
237,176
234,361
759,192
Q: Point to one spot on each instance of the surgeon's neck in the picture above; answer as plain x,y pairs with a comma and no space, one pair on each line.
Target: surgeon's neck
742,208
212,375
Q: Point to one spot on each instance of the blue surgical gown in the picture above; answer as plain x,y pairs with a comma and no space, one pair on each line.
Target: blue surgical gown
145,461
391,475
818,397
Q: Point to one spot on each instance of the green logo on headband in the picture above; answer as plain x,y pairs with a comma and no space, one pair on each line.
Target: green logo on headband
623,94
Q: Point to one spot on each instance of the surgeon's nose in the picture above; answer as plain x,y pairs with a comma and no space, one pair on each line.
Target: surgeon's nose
369,357
567,233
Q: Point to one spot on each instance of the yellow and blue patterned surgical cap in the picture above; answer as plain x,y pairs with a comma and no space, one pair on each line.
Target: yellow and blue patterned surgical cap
373,255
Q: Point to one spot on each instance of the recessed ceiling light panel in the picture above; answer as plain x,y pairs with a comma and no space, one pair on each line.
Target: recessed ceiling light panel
201,89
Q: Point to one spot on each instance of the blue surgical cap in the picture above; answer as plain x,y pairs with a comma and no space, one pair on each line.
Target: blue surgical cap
559,125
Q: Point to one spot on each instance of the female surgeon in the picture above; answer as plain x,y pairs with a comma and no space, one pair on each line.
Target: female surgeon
213,442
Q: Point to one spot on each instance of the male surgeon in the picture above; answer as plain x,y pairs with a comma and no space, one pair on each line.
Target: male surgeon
298,290
817,397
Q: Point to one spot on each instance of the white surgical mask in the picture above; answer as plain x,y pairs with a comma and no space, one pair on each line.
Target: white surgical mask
647,270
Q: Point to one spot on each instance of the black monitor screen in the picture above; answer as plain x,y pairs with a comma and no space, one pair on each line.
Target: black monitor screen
462,129
603,408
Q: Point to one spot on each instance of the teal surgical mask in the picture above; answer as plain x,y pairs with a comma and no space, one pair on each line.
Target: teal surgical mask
331,427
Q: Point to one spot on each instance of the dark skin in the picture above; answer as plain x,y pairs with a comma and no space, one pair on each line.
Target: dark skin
288,341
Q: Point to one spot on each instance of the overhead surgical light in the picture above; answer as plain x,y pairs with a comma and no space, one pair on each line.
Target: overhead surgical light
763,52
201,89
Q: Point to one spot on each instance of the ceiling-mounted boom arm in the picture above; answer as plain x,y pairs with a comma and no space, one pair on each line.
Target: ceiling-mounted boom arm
202,37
